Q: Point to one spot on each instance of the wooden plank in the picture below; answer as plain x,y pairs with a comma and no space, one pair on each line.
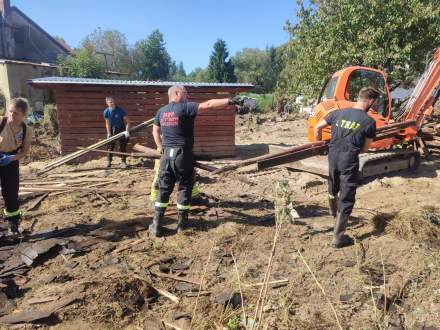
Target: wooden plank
132,97
198,131
205,142
91,107
98,116
99,124
101,96
133,114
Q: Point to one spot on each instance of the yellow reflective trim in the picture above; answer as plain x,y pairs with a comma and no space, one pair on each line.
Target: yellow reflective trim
331,196
153,194
11,214
195,191
183,207
161,205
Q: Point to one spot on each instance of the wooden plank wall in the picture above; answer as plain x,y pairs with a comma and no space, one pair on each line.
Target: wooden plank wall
81,123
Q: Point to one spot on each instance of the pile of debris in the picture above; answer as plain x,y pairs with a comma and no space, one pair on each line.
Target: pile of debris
420,225
430,133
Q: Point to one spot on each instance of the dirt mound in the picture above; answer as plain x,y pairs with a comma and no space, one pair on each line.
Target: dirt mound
421,225
118,299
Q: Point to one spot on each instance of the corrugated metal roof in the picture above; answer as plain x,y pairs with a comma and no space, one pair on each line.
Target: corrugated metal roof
111,82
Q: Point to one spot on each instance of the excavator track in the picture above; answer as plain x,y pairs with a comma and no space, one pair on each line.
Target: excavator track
370,165
381,163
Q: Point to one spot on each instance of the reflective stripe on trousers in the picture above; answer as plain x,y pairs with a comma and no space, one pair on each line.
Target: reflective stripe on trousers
154,191
11,214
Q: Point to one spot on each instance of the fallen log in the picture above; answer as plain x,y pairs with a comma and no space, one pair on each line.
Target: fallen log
99,144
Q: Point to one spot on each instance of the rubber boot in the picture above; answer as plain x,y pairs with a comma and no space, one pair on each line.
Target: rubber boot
109,163
182,221
14,225
124,164
341,240
333,206
155,228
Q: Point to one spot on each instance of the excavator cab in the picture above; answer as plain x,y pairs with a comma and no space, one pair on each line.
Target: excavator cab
341,91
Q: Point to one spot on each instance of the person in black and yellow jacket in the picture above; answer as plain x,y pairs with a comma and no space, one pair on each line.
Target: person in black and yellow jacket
15,143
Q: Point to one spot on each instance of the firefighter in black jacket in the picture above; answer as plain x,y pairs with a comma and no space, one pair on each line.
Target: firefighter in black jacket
15,143
173,133
352,132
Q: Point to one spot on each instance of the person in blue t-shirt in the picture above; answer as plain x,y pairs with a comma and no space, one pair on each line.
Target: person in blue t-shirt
173,133
116,121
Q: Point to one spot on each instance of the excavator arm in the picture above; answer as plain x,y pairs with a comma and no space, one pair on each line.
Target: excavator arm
424,96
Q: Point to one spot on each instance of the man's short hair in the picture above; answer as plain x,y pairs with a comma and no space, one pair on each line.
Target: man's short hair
174,89
110,97
368,93
20,104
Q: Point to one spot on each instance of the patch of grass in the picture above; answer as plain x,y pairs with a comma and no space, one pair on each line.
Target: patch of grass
234,323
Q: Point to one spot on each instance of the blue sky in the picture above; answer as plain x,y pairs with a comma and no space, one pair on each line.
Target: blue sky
190,27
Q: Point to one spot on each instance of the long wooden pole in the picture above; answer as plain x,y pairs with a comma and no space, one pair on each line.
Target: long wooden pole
151,153
101,143
128,154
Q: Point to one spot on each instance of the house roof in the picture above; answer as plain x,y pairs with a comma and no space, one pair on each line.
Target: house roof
39,28
126,83
6,61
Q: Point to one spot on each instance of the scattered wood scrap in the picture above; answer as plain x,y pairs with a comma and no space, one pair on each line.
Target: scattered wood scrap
79,153
79,189
176,278
162,292
129,245
42,300
277,282
37,202
44,312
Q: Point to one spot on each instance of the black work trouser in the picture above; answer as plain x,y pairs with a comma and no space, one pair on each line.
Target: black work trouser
343,178
10,182
122,144
176,165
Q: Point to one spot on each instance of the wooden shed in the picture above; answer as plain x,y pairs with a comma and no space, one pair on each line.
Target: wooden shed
80,103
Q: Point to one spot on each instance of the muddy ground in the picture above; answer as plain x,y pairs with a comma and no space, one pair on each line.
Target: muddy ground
116,288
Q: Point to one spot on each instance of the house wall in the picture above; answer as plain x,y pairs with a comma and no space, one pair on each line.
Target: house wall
13,82
81,123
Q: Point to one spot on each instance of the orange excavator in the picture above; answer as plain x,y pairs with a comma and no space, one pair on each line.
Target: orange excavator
397,145
396,150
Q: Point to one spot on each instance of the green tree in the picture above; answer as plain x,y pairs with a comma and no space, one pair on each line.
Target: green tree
259,67
178,72
151,59
112,45
198,75
394,35
220,68
84,63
